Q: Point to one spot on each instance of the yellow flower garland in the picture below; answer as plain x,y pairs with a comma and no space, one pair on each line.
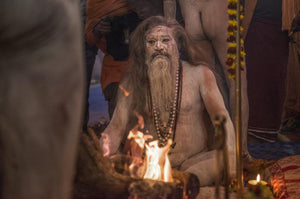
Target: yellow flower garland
231,38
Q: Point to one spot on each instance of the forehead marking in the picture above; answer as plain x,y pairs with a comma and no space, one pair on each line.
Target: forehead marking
159,30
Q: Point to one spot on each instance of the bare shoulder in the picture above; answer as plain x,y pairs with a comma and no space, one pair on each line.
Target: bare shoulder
200,72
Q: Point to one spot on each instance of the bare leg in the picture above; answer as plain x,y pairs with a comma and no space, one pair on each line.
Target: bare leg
203,166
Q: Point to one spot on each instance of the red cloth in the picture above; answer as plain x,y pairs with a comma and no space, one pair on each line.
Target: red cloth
285,177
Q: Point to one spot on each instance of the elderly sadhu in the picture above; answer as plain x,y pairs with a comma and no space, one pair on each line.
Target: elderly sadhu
177,95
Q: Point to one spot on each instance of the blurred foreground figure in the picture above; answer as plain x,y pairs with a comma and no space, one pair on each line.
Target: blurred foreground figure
177,99
41,89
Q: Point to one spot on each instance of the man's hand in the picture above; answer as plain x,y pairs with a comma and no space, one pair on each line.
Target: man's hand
102,28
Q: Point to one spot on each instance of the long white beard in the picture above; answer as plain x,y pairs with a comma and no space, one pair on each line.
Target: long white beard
162,84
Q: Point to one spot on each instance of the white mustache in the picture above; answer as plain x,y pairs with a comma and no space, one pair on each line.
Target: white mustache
160,53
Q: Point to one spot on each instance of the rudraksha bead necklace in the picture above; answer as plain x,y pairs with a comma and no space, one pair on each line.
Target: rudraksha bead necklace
165,130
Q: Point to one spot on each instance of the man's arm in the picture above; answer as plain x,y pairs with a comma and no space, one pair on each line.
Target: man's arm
214,102
117,126
215,107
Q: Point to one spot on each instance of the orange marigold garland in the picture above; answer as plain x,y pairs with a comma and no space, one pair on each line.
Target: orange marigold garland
231,39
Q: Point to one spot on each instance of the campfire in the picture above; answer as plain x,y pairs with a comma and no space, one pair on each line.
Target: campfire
144,159
154,164
144,171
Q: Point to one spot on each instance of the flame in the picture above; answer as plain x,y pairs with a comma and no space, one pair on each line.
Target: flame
258,178
125,92
136,153
138,138
156,164
140,120
153,164
157,161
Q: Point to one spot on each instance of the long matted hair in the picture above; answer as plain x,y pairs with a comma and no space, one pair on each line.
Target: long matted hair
136,81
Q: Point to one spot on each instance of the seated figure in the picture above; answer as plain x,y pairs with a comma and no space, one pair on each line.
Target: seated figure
177,95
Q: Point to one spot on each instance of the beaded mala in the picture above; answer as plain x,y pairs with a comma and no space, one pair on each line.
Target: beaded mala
164,131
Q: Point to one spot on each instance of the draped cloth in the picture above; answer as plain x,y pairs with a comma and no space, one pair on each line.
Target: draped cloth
112,71
266,57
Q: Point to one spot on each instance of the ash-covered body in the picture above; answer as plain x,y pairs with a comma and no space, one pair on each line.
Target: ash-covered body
192,89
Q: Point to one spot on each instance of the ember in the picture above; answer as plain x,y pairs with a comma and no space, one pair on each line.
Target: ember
125,92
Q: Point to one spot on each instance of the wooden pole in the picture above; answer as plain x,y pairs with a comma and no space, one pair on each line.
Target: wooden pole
238,120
